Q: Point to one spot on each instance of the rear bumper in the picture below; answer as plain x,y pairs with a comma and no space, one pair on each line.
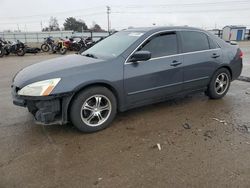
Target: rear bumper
236,68
46,110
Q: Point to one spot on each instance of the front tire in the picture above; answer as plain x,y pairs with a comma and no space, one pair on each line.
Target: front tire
219,85
2,52
93,109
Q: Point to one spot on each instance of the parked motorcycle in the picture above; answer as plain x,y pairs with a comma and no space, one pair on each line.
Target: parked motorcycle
76,43
2,51
17,48
47,44
88,43
60,46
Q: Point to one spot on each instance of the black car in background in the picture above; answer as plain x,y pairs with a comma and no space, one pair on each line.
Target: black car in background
131,68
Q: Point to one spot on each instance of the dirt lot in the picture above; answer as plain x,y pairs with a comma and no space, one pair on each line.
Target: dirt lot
204,143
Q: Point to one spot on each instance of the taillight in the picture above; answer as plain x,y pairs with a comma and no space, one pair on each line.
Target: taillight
241,54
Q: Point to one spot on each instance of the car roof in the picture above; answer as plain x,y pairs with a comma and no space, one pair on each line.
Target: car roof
163,28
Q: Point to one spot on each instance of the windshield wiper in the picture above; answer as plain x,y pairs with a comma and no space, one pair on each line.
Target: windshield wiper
90,55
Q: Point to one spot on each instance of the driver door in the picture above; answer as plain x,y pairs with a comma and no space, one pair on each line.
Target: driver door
158,77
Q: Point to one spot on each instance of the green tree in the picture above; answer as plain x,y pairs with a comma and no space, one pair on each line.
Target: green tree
76,25
97,28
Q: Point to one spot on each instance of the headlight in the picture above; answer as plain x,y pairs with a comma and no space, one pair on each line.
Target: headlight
42,88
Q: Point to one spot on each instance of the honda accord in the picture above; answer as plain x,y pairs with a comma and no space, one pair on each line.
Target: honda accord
128,69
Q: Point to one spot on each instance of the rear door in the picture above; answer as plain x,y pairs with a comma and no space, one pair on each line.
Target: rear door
158,77
201,57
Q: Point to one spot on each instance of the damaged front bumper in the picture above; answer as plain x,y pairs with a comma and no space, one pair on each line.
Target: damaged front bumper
46,109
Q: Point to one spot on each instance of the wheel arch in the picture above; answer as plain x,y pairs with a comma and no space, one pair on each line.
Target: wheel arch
228,68
96,84
221,67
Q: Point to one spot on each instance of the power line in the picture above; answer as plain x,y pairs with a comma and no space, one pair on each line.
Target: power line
141,6
137,12
59,19
183,4
135,6
52,13
205,7
180,11
132,12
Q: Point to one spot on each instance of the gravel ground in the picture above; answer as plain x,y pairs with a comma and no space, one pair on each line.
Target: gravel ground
204,143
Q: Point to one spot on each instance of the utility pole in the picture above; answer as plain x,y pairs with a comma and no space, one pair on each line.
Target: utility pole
108,12
41,25
18,28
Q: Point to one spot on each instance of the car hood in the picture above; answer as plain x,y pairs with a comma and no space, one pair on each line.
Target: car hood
53,68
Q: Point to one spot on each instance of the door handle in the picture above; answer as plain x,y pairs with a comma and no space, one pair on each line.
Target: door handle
175,63
215,55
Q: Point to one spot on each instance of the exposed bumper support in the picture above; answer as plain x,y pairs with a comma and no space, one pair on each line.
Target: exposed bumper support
46,110
19,102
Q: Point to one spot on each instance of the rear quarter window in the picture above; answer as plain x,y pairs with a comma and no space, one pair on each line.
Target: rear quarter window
194,41
212,43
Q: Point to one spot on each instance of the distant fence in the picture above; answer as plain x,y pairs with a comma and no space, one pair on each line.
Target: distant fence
38,37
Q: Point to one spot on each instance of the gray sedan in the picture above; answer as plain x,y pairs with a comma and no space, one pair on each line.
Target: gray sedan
131,68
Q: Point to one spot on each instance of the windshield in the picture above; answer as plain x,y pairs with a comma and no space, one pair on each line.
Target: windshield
114,45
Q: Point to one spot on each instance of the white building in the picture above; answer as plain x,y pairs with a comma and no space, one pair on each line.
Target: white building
233,33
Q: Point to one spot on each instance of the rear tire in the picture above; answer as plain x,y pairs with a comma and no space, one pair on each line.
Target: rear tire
82,50
63,51
7,52
2,52
45,47
219,84
93,109
76,47
21,52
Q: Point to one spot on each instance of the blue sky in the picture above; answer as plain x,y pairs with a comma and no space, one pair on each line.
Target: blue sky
29,14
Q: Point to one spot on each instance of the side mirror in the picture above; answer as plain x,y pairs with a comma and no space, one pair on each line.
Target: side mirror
140,56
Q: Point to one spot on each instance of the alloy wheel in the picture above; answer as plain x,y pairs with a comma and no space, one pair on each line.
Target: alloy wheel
221,83
96,110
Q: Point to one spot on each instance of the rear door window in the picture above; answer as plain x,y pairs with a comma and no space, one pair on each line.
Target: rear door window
194,41
161,45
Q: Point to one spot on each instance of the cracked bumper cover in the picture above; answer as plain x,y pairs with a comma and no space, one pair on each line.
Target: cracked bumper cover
46,110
